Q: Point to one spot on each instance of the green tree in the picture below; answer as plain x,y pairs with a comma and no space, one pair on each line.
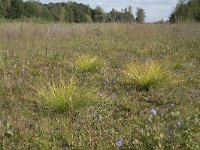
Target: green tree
98,14
69,14
78,15
82,13
186,10
88,18
31,9
116,16
44,12
62,12
15,10
113,15
1,9
57,11
5,4
194,6
128,14
140,15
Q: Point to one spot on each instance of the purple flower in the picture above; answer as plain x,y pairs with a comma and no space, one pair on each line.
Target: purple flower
153,112
120,142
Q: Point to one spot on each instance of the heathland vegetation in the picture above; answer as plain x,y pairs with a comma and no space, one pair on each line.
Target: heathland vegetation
97,85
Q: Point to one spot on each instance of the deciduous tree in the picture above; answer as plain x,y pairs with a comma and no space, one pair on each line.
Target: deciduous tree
140,15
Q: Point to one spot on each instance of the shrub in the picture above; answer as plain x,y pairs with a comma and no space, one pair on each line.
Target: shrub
62,97
146,75
87,63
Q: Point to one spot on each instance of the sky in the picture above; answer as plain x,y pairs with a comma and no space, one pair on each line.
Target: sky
155,9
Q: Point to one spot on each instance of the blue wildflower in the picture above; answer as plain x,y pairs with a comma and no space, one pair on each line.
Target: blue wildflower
120,142
153,112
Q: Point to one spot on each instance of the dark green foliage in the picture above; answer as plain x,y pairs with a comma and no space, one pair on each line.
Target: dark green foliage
4,5
61,12
44,13
69,14
37,10
114,15
140,15
57,11
78,13
186,10
30,9
15,10
98,14
1,9
128,14
125,16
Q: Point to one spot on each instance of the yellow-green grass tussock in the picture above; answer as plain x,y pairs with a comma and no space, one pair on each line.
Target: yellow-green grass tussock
147,74
88,63
63,97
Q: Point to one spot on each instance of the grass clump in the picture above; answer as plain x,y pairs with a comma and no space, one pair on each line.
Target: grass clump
62,98
5,60
87,63
146,75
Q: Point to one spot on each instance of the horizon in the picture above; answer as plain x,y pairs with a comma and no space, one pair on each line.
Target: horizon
155,10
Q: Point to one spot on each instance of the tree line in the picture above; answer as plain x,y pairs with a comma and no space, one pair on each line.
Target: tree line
65,12
186,10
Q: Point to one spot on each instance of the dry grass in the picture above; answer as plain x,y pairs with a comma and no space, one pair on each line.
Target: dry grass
39,54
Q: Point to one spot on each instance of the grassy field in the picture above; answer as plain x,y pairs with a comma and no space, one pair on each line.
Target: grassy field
99,86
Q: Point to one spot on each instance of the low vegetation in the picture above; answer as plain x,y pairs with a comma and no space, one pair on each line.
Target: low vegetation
116,95
146,75
63,98
86,63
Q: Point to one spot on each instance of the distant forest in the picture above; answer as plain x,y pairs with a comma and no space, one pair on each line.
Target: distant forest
65,12
186,10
